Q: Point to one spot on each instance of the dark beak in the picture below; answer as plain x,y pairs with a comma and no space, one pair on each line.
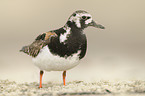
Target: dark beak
94,24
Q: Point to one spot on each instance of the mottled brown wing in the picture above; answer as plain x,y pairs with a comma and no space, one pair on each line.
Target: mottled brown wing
41,41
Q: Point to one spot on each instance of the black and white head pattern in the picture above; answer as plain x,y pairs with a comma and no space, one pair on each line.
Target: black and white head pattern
78,21
81,18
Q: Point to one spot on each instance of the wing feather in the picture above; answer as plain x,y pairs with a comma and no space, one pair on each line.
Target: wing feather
41,41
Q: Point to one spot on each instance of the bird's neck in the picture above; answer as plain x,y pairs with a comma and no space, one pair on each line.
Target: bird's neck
71,26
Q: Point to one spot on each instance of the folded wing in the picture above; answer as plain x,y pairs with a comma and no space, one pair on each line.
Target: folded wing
41,41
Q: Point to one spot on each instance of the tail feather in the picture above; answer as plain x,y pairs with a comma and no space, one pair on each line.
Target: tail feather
25,49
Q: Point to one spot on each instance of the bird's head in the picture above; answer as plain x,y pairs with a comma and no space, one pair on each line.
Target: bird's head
83,19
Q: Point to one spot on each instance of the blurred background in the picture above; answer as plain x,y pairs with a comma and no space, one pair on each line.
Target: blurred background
116,53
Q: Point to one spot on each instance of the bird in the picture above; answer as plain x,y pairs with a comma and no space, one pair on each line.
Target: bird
63,48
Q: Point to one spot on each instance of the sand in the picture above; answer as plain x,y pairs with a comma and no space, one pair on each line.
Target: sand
75,88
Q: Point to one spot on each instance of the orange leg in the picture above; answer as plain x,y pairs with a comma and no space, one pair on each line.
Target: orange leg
41,74
64,75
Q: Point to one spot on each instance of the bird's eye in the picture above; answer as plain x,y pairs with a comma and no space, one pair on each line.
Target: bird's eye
74,15
84,17
88,17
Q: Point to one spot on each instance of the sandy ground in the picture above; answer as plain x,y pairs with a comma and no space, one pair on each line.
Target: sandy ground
116,52
75,88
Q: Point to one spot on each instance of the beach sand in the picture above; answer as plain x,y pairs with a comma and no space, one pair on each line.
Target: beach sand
75,88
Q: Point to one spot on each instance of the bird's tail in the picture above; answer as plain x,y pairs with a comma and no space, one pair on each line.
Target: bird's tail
25,49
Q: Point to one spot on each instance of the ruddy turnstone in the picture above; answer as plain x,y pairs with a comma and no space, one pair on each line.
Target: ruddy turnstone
61,49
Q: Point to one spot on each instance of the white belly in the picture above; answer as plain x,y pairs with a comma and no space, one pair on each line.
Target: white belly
49,62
